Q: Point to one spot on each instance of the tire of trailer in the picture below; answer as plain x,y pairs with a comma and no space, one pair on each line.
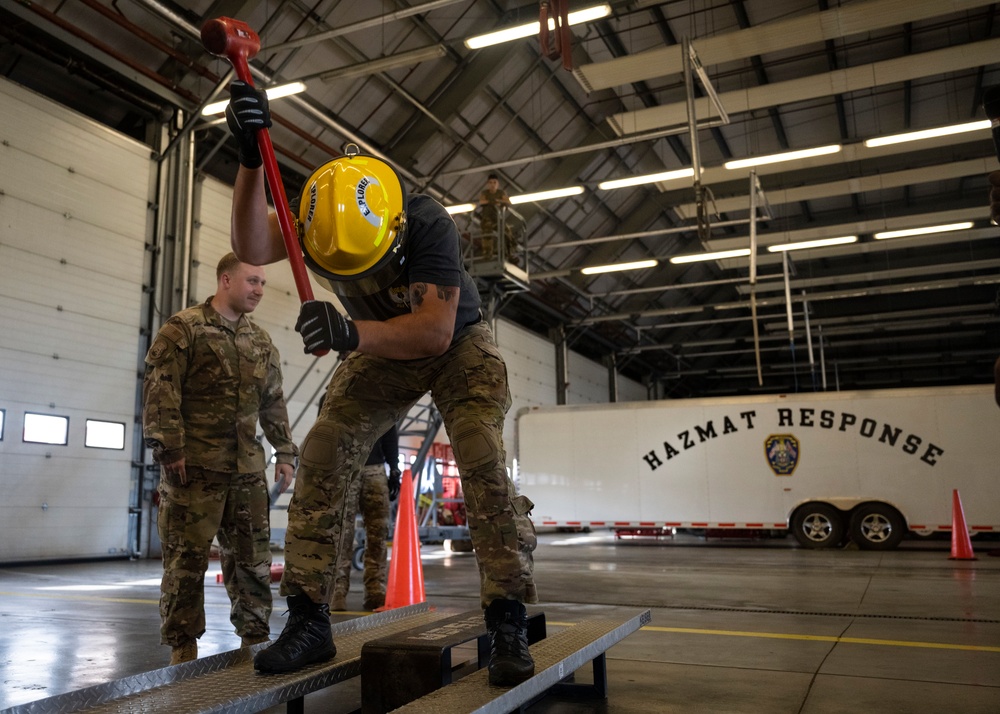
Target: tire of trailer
818,525
877,526
358,561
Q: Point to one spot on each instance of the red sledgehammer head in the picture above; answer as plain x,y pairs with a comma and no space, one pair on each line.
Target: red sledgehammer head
229,38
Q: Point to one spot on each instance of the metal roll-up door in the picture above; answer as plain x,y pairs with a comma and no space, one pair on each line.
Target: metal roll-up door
74,199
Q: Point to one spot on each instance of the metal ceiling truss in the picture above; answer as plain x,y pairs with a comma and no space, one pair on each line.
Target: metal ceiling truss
648,81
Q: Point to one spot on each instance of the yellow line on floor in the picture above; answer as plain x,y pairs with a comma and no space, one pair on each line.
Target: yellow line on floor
825,638
650,628
91,598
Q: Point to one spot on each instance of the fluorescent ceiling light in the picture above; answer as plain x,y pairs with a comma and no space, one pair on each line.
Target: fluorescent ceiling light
648,178
928,133
532,28
383,64
460,208
545,195
787,156
923,231
803,245
282,90
720,255
637,265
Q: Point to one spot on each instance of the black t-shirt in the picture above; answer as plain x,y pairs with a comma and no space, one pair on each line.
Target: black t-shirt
386,450
433,251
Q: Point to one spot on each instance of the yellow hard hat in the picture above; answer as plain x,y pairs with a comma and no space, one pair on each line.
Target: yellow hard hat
352,220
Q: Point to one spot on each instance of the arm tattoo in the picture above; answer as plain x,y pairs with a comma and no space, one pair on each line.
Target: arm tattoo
417,292
446,293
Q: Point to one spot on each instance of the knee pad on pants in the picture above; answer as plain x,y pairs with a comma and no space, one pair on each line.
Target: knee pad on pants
319,448
475,444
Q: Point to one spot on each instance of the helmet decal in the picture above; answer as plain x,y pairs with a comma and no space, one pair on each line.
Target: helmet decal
377,220
312,205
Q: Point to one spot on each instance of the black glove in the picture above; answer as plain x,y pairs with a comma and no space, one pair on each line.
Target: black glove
246,114
394,484
323,328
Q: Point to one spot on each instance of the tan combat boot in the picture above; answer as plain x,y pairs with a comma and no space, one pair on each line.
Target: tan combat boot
338,603
184,653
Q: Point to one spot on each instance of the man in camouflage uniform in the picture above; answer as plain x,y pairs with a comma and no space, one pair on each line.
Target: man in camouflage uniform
492,200
416,327
370,494
211,373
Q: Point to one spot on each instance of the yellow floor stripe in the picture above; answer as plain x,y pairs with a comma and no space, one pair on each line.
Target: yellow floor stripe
91,598
650,628
826,638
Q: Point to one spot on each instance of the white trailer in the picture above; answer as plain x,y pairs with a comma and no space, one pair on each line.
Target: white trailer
868,464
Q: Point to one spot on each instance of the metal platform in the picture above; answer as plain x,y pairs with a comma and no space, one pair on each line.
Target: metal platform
402,667
227,682
556,658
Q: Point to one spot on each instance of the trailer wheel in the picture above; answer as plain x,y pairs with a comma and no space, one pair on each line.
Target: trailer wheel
358,560
877,526
818,525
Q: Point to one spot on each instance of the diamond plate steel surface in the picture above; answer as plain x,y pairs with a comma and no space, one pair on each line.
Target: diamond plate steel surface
227,682
556,657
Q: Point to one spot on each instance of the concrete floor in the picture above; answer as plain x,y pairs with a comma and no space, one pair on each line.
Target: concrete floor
737,626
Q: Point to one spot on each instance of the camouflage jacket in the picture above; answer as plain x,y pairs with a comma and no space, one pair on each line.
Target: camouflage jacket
205,388
493,198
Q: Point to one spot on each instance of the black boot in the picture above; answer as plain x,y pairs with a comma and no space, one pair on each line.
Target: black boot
305,639
507,626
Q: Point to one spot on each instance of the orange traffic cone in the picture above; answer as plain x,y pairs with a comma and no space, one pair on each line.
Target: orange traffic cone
961,545
406,574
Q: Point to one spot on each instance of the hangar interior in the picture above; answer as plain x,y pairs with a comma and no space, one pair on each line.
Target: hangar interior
114,200
777,77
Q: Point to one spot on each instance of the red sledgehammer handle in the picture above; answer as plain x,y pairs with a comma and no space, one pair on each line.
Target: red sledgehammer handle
235,41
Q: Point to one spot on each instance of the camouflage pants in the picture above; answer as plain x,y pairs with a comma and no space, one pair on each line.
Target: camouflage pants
234,508
369,494
489,229
369,394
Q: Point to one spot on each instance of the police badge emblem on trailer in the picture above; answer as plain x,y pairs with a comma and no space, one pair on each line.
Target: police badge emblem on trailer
782,451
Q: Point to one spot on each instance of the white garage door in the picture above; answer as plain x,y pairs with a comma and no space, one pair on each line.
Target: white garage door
73,222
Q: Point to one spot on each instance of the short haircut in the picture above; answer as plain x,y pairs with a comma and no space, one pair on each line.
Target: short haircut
227,264
492,176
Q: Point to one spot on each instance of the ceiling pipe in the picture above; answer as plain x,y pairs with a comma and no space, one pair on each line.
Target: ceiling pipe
303,104
107,49
74,66
165,13
362,25
885,275
640,234
904,315
597,146
156,42
840,345
963,358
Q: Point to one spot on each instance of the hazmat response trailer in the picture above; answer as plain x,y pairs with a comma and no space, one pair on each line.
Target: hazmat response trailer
866,464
